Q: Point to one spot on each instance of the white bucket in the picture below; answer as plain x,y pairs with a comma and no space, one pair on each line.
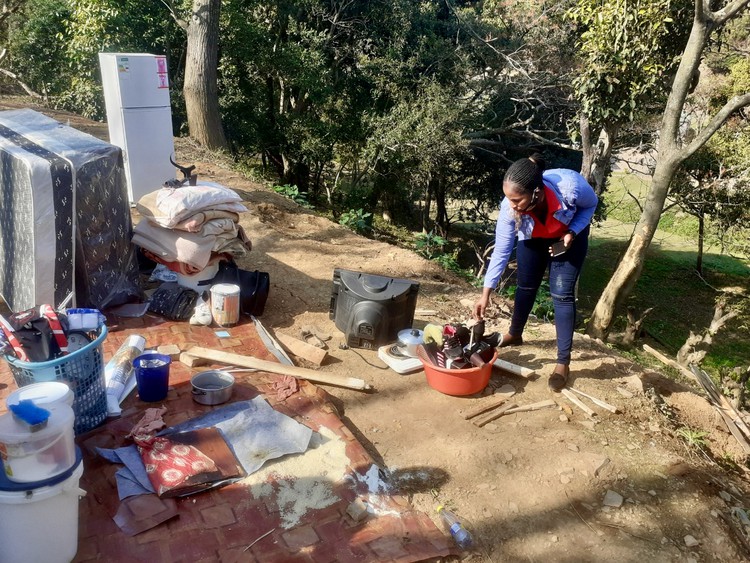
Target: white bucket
45,393
225,304
41,524
37,456
193,281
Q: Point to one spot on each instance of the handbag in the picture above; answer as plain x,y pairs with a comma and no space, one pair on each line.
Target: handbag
173,301
254,286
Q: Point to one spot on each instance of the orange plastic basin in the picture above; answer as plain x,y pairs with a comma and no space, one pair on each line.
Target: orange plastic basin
459,381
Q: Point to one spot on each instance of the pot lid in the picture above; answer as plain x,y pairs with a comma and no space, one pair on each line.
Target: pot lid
411,336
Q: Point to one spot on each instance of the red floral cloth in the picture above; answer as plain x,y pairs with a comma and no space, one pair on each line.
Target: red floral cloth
169,464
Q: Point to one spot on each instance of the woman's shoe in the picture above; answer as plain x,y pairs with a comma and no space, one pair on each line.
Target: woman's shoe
559,378
510,340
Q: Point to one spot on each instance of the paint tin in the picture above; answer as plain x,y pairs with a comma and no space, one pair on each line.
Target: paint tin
225,304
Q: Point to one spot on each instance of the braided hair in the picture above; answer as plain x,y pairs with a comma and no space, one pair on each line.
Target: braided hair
526,174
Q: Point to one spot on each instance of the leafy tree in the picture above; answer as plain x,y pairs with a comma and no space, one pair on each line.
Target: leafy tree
673,149
627,50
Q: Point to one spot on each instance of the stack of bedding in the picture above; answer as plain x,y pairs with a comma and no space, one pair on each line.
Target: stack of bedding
190,228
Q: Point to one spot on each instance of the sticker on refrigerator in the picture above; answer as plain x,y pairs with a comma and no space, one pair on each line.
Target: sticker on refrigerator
163,80
123,65
161,65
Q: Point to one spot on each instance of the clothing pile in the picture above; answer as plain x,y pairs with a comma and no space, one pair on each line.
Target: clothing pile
189,228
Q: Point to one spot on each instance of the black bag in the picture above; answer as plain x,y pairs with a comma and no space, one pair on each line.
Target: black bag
254,286
173,301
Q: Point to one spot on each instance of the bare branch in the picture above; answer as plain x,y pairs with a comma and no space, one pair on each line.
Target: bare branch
10,10
734,104
720,17
21,83
181,22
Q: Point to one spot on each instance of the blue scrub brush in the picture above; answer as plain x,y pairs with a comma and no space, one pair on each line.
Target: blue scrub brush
28,413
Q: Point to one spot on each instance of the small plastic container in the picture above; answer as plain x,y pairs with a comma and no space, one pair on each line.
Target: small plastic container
459,381
43,394
152,376
36,456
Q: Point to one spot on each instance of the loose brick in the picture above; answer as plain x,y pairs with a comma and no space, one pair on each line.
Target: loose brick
300,537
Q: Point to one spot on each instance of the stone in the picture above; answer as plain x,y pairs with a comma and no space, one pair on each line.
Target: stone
588,424
564,418
357,510
652,493
555,539
634,383
690,541
491,426
725,496
624,392
171,350
564,479
613,499
573,448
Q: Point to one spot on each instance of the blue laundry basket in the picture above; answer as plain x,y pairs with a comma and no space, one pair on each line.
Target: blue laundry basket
82,371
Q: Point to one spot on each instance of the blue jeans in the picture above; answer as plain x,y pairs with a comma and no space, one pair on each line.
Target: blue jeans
533,260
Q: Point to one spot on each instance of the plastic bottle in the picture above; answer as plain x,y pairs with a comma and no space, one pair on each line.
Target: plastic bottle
460,534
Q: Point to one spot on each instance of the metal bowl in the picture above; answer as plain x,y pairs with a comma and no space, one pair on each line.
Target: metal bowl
212,387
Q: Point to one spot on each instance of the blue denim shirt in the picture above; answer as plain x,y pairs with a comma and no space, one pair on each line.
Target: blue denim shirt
577,200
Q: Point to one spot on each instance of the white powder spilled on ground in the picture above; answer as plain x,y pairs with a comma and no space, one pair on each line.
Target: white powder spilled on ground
305,481
379,500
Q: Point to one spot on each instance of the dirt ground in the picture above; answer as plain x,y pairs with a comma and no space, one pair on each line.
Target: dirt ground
529,486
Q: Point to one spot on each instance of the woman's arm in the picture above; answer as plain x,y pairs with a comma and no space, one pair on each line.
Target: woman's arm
505,237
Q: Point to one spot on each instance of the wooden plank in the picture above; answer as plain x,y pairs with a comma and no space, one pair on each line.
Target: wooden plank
301,349
670,362
482,420
513,368
577,402
599,402
273,367
484,407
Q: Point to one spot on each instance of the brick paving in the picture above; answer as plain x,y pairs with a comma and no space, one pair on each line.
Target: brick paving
219,525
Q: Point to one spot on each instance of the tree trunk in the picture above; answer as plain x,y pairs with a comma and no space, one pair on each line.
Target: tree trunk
596,165
629,269
201,67
429,189
701,230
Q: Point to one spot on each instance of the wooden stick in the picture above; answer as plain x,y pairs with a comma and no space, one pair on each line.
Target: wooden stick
670,362
511,408
273,367
599,402
302,349
513,368
577,402
482,420
533,406
486,406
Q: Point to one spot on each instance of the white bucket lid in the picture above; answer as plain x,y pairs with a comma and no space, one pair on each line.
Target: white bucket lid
225,289
44,393
60,420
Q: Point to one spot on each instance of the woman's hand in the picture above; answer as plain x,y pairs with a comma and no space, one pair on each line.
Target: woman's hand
481,305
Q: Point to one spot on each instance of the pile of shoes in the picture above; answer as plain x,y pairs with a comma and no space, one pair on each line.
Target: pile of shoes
458,346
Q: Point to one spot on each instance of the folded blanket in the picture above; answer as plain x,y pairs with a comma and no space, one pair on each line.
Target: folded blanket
193,249
168,207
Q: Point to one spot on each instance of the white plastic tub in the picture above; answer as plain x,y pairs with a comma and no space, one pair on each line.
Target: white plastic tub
41,525
37,456
45,393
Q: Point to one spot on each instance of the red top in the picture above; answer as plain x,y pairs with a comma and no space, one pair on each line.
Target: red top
551,228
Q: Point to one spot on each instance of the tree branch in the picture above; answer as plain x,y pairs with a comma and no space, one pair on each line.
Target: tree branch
720,17
181,22
21,83
735,103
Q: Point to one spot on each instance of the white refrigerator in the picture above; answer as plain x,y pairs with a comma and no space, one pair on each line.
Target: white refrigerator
139,116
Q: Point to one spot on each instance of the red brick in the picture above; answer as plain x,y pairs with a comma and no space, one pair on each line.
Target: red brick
217,516
191,546
388,548
300,537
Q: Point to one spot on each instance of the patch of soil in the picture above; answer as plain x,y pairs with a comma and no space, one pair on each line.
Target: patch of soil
529,486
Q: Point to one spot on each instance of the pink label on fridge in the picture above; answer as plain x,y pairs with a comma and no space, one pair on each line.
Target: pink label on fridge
161,65
163,80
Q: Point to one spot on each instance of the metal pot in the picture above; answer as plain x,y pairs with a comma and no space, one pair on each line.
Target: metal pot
212,387
409,339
